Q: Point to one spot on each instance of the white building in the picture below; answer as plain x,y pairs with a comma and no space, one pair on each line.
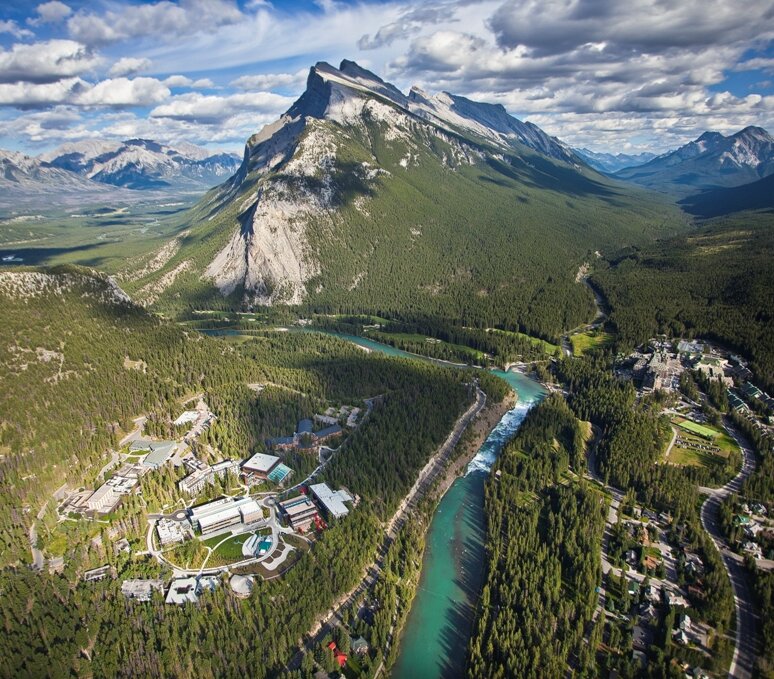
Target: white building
215,516
332,501
103,499
260,464
141,590
186,417
170,532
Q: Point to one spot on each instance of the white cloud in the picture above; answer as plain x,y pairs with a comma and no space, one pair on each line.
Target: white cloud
45,62
27,94
211,109
14,29
51,13
183,81
125,92
165,20
129,66
271,81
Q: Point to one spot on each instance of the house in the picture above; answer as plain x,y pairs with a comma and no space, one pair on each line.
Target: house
753,549
648,612
359,646
141,590
675,599
97,573
631,557
685,622
340,657
680,637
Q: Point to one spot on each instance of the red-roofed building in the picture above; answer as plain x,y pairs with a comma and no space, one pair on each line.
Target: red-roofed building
340,657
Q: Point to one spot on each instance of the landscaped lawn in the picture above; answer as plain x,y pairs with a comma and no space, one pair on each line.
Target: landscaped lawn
693,458
705,434
696,428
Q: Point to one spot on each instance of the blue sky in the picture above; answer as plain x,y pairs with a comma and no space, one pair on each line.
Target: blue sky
607,75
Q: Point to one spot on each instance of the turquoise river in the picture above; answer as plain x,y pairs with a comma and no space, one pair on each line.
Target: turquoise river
435,639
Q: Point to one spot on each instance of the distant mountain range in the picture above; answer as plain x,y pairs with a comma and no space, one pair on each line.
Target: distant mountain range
143,163
95,171
609,163
711,161
360,196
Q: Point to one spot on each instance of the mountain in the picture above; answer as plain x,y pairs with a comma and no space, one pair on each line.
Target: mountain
609,163
24,179
144,164
716,202
711,161
360,197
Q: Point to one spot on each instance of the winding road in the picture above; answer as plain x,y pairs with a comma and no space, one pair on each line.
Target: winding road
747,632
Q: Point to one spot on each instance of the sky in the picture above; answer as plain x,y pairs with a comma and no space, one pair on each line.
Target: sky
608,75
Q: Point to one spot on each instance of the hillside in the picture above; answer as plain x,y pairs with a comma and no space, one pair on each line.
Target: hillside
709,162
717,282
714,203
361,198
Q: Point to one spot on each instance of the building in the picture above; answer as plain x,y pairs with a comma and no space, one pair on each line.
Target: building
260,465
204,475
160,452
103,500
326,420
187,417
215,516
241,585
183,591
97,573
170,532
122,485
690,347
341,658
305,426
279,473
328,433
332,502
282,443
300,512
141,590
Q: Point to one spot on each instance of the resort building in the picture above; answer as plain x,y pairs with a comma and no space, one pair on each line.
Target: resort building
141,590
260,465
300,512
215,516
331,502
103,500
159,451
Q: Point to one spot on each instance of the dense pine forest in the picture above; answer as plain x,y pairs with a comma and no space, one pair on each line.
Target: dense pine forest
544,528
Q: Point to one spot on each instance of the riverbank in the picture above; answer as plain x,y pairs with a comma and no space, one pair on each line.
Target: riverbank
480,431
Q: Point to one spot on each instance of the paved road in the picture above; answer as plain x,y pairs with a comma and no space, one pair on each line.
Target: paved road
426,478
747,632
139,423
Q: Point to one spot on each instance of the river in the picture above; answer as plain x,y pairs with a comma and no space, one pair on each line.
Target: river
435,639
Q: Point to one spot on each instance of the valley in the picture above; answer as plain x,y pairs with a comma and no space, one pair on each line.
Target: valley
410,388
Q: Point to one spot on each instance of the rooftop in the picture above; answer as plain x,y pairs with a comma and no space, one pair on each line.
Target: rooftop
261,462
279,473
333,501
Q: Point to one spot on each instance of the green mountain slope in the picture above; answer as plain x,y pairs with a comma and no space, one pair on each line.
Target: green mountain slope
717,282
354,200
757,195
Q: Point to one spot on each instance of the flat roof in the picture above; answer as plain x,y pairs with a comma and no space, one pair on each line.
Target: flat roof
299,507
305,426
261,462
160,453
333,501
329,431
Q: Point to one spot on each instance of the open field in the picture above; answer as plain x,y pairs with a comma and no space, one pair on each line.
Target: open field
547,347
696,428
593,339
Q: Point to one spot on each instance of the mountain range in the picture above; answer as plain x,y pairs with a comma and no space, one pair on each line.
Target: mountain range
94,171
611,163
711,161
362,197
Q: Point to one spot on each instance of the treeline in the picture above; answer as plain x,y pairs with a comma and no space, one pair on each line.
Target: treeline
717,283
544,533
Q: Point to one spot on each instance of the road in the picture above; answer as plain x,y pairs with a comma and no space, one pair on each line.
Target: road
599,318
139,423
747,632
747,641
424,482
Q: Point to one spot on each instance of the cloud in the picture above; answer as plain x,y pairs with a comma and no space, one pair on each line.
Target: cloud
183,81
15,30
50,13
45,62
129,66
209,109
164,20
271,81
125,92
410,22
118,92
